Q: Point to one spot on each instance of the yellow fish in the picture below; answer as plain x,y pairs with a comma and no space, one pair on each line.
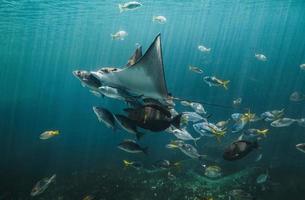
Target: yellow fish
48,134
263,132
127,163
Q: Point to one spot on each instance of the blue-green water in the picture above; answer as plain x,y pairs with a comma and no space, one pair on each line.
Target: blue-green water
42,42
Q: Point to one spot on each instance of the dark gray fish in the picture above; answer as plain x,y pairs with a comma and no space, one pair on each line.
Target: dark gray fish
42,185
153,117
165,164
128,125
131,146
239,149
105,116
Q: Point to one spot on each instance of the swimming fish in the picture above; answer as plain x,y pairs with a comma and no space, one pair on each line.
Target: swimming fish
209,130
197,70
128,125
237,102
300,147
159,19
134,164
262,178
183,134
283,122
42,185
259,157
185,103
198,108
131,146
110,92
192,117
239,149
105,116
296,96
120,35
132,5
253,131
187,149
213,81
261,57
153,117
213,171
190,151
272,115
204,49
222,124
165,164
302,66
48,134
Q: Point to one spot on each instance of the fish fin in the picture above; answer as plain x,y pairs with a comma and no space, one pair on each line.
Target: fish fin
121,8
139,135
145,150
196,139
176,121
225,84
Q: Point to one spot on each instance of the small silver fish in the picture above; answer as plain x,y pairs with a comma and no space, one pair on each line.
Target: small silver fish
302,66
261,178
159,19
237,102
197,70
132,5
283,122
261,57
296,96
198,108
204,49
120,35
42,185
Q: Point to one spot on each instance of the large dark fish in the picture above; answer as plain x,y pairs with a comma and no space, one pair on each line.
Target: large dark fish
105,116
152,117
128,125
239,149
131,146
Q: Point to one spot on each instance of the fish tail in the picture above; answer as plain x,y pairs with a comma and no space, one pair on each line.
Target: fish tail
139,135
53,178
225,84
154,18
145,150
127,163
56,132
176,121
121,8
196,139
112,36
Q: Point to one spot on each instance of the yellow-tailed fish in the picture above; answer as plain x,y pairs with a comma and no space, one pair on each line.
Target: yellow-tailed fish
48,134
